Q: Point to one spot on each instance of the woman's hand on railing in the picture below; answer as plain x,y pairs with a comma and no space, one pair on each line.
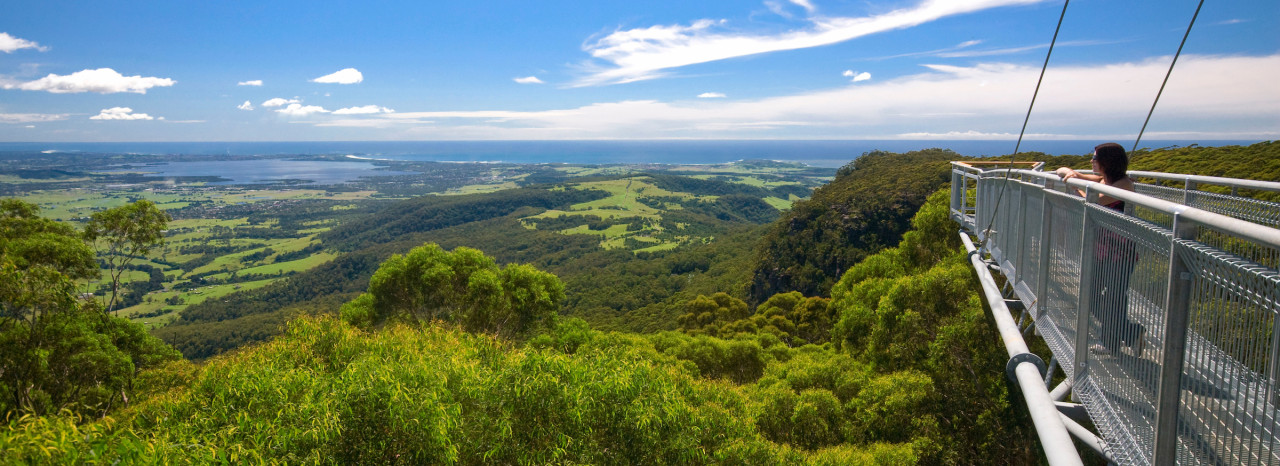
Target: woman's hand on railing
1066,173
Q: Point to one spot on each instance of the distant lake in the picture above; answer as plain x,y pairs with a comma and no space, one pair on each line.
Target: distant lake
266,171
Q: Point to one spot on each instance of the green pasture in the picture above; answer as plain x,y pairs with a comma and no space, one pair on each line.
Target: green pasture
235,261
274,268
190,297
622,201
614,231
480,188
11,179
659,247
780,203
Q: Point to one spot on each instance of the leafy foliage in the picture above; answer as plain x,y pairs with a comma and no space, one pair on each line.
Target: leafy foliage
123,234
56,351
463,286
326,392
863,210
790,317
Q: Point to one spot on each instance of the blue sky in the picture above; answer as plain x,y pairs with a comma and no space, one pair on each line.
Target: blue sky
554,69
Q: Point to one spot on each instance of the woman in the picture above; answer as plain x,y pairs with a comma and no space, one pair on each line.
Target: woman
1114,255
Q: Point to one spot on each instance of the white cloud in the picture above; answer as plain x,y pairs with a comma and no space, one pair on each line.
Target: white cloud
367,109
121,113
301,110
277,102
647,53
101,80
711,95
1209,97
245,106
10,44
31,117
863,76
344,76
806,4
529,80
255,82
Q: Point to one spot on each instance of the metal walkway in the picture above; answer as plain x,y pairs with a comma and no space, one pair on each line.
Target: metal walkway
1163,318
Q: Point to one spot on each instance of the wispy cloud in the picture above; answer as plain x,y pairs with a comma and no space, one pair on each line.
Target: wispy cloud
806,4
365,110
101,80
344,76
121,113
1228,96
301,110
965,49
245,106
255,82
31,117
711,95
10,44
528,80
647,53
278,101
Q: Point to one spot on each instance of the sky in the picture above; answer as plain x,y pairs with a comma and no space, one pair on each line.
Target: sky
177,70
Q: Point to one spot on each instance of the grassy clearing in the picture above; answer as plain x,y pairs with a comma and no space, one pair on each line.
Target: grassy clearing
659,247
622,201
480,188
780,203
284,267
190,297
12,179
236,261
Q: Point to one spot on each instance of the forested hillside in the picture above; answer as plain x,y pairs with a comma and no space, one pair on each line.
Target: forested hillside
613,288
610,323
391,383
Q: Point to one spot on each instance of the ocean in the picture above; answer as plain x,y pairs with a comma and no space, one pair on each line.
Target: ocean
815,153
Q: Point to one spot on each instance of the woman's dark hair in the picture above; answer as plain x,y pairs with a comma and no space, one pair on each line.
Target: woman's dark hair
1112,160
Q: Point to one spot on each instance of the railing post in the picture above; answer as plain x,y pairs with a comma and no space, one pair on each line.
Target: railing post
957,190
1173,354
1023,242
1273,372
1187,188
1046,243
1083,311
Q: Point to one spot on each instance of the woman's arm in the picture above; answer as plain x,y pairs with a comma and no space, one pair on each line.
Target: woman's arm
1067,173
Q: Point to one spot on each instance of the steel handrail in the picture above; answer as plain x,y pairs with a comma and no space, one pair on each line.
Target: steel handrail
1020,227
1246,229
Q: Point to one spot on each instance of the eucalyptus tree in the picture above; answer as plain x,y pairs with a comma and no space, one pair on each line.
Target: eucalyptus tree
123,234
464,287
56,350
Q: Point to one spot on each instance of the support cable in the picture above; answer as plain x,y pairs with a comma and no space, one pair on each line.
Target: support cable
1012,157
1166,76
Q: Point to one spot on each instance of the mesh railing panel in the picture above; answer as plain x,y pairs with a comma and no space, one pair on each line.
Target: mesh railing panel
1033,236
1244,208
1130,263
1061,286
1053,247
1229,404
